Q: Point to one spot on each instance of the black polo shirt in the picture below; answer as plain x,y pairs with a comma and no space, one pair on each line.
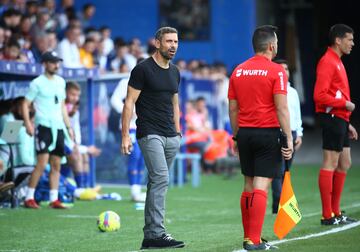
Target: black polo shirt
154,107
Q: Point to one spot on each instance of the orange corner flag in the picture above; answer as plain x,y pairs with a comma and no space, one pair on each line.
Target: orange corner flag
289,214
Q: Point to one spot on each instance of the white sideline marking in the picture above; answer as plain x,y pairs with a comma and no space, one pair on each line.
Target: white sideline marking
319,213
78,216
91,216
331,231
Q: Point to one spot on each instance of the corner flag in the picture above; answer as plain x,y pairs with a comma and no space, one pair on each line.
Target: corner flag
289,214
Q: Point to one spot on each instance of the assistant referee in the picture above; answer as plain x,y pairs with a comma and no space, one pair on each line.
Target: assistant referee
257,110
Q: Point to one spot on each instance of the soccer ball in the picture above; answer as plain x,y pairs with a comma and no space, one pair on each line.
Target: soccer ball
108,221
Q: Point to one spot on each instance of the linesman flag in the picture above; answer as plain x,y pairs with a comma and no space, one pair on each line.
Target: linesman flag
289,214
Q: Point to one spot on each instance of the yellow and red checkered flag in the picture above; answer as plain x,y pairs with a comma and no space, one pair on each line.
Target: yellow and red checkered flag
289,214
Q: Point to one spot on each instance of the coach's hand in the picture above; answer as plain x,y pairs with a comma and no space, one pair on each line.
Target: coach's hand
126,145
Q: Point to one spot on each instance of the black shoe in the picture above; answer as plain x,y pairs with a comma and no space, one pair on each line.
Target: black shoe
344,219
263,245
330,221
165,241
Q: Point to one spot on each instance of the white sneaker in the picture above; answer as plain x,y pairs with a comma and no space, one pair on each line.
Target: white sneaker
140,197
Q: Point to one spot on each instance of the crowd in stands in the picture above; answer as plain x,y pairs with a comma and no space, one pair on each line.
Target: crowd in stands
30,28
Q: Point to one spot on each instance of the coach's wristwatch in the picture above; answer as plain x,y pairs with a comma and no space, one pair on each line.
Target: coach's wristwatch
179,134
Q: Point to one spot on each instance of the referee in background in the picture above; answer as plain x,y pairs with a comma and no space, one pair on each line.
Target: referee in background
333,106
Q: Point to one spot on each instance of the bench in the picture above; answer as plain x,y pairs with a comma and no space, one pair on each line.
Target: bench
178,167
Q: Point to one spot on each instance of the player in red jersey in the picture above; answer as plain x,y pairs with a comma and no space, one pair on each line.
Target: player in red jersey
334,107
257,110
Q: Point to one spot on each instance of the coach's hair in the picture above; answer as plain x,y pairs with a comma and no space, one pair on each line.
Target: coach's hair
339,31
163,30
73,85
262,36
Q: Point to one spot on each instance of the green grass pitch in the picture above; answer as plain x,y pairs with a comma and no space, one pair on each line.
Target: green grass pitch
206,218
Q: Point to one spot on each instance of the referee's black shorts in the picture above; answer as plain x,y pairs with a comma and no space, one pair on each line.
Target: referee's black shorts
260,152
335,132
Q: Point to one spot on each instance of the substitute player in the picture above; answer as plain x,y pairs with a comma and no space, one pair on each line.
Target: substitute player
334,107
258,109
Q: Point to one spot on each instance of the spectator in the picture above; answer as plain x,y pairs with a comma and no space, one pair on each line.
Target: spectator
122,56
124,68
52,40
197,135
65,12
40,26
50,5
40,46
68,48
12,51
108,43
11,19
151,48
75,22
8,34
25,27
117,42
31,10
26,51
219,75
181,64
88,11
100,57
86,53
93,33
2,37
201,108
193,65
135,49
18,5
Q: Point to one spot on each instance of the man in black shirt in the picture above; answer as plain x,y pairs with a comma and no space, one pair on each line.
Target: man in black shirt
153,89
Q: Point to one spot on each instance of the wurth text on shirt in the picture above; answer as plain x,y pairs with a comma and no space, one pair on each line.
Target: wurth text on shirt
256,72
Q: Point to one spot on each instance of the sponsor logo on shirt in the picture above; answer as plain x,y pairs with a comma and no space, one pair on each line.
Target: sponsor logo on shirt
281,76
338,94
255,72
